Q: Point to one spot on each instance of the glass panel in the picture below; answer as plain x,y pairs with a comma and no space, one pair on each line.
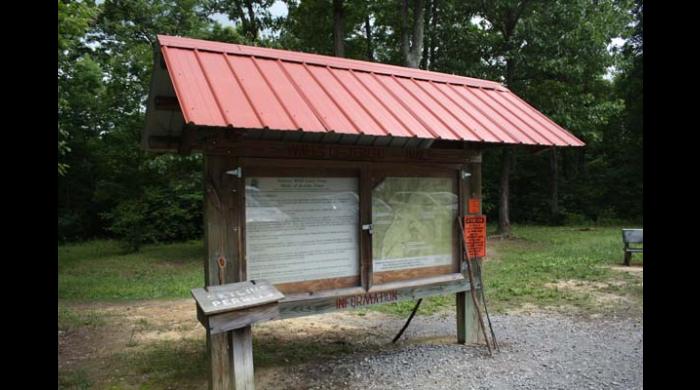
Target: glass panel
302,228
413,219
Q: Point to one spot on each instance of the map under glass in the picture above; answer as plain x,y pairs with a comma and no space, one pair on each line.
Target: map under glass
413,220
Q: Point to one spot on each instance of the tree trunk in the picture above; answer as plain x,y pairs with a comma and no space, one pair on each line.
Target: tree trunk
433,32
581,162
412,44
504,192
507,23
404,29
554,183
338,34
426,47
252,25
506,168
565,164
368,35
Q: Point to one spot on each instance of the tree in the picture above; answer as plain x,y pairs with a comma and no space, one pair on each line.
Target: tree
554,55
253,16
103,86
74,19
338,29
566,80
412,40
347,23
505,16
621,145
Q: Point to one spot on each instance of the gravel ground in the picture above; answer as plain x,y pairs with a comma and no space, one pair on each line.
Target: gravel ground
538,351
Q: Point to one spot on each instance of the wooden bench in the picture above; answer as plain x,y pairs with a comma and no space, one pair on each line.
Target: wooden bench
632,236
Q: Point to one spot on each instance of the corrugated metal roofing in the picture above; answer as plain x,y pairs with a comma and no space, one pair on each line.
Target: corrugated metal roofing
227,85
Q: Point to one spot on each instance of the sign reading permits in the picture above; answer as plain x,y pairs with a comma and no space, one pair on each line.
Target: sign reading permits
475,235
235,296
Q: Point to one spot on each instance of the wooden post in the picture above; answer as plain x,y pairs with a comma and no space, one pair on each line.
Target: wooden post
231,353
467,319
242,347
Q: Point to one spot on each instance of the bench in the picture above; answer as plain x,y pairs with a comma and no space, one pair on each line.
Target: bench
632,236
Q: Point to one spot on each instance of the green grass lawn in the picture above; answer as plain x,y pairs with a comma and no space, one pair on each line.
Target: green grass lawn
515,274
101,270
518,270
541,255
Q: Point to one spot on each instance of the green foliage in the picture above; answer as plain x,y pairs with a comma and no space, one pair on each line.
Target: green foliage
253,16
296,33
113,188
173,213
557,58
74,19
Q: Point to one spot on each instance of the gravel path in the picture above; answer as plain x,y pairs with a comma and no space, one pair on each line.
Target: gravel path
538,351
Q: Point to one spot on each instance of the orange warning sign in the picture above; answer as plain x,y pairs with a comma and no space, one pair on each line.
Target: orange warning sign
475,235
474,206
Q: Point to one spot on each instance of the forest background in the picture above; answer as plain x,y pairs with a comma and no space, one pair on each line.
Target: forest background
577,61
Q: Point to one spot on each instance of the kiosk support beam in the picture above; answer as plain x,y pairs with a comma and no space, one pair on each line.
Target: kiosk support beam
467,318
231,353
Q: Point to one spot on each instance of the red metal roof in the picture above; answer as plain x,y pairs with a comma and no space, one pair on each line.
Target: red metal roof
228,85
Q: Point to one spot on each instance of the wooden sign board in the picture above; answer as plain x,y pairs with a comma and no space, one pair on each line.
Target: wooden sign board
235,296
475,235
230,320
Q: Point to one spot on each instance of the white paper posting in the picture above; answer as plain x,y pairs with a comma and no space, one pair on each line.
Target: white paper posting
302,228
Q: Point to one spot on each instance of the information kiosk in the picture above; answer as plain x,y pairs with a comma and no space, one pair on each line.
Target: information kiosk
335,183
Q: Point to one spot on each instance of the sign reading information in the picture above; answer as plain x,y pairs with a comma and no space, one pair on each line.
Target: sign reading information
235,296
302,228
475,235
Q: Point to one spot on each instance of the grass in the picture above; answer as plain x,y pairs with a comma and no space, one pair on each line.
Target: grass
70,319
77,379
100,270
516,272
522,267
183,362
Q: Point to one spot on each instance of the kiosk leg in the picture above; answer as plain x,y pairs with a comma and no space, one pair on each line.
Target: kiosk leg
242,347
231,356
219,361
467,320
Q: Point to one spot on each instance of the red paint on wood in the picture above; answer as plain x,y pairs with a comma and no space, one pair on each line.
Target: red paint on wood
366,299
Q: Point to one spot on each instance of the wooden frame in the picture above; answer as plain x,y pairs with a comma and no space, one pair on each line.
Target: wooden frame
410,171
277,168
224,152
369,176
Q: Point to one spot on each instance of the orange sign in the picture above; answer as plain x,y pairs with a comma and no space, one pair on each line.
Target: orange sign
475,235
474,206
